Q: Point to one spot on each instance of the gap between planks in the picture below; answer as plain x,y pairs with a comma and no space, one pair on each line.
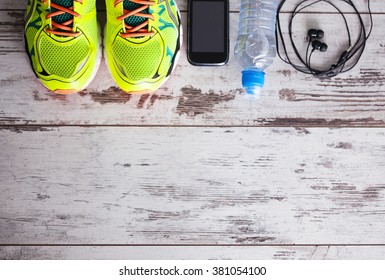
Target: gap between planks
289,123
196,245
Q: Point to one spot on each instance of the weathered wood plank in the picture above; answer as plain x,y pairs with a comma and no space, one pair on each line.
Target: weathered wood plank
210,96
116,185
192,252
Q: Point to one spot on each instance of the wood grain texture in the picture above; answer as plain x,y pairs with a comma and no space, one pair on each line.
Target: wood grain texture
208,97
130,179
69,185
192,252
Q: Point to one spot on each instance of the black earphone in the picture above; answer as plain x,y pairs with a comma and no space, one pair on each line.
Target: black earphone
315,33
348,58
316,44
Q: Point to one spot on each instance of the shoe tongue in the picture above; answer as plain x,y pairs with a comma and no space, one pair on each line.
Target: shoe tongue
134,20
63,17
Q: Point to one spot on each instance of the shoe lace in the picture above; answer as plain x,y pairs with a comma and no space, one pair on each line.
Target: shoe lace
62,18
140,10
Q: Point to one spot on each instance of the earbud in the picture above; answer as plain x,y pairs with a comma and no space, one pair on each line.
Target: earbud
315,33
317,45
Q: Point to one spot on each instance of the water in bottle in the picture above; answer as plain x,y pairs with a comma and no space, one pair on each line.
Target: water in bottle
255,48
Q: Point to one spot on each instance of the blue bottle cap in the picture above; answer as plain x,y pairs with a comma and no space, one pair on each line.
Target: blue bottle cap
253,81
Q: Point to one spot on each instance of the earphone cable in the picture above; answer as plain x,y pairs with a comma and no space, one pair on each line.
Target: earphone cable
348,59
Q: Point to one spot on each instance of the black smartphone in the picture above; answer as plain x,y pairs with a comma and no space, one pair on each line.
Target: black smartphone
208,32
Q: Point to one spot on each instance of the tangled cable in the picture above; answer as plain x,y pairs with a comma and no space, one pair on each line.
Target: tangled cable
349,57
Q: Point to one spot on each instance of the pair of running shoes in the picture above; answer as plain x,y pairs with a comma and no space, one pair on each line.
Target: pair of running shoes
142,40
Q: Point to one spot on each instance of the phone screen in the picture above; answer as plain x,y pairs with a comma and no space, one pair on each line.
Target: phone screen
208,29
208,32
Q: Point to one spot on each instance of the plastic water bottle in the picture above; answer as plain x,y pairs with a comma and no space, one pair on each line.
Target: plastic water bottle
255,48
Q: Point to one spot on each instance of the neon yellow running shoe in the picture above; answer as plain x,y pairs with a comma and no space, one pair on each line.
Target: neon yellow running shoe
142,42
62,40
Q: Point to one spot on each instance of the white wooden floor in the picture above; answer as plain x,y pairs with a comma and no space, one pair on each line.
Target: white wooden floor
195,170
